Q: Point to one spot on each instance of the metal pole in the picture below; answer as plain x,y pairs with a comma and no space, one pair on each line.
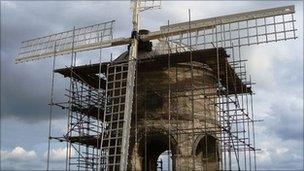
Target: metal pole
169,104
253,130
51,110
68,148
99,104
192,89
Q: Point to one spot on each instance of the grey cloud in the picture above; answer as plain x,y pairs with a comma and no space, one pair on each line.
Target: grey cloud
286,107
25,88
285,122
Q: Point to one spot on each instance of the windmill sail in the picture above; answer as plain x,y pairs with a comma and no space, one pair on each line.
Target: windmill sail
149,4
262,26
273,24
117,152
79,39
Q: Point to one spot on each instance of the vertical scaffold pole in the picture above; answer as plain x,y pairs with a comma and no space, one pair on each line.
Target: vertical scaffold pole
169,102
51,110
192,88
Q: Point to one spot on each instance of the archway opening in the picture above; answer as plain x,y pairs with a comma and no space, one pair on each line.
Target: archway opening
206,148
164,161
155,146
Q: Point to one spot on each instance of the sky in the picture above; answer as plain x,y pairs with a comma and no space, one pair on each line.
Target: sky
276,68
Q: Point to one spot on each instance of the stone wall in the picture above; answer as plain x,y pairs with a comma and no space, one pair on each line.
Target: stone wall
152,130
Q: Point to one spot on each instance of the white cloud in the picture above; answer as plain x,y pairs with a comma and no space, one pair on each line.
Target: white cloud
264,156
18,154
261,65
282,150
58,155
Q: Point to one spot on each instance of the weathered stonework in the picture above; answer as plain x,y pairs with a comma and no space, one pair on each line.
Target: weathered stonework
152,130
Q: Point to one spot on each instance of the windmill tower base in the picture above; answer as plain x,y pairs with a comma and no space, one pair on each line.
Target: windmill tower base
171,119
181,157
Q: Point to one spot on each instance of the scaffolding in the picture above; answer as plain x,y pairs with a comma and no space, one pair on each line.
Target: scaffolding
223,105
85,108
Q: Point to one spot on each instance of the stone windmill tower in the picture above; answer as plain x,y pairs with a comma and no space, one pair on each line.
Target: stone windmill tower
182,89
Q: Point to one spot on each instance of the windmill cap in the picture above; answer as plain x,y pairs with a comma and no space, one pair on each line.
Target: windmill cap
143,32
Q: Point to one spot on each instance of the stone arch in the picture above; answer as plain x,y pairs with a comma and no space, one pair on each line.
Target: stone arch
157,142
205,147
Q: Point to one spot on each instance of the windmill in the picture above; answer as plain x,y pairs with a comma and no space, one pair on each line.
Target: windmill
189,38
